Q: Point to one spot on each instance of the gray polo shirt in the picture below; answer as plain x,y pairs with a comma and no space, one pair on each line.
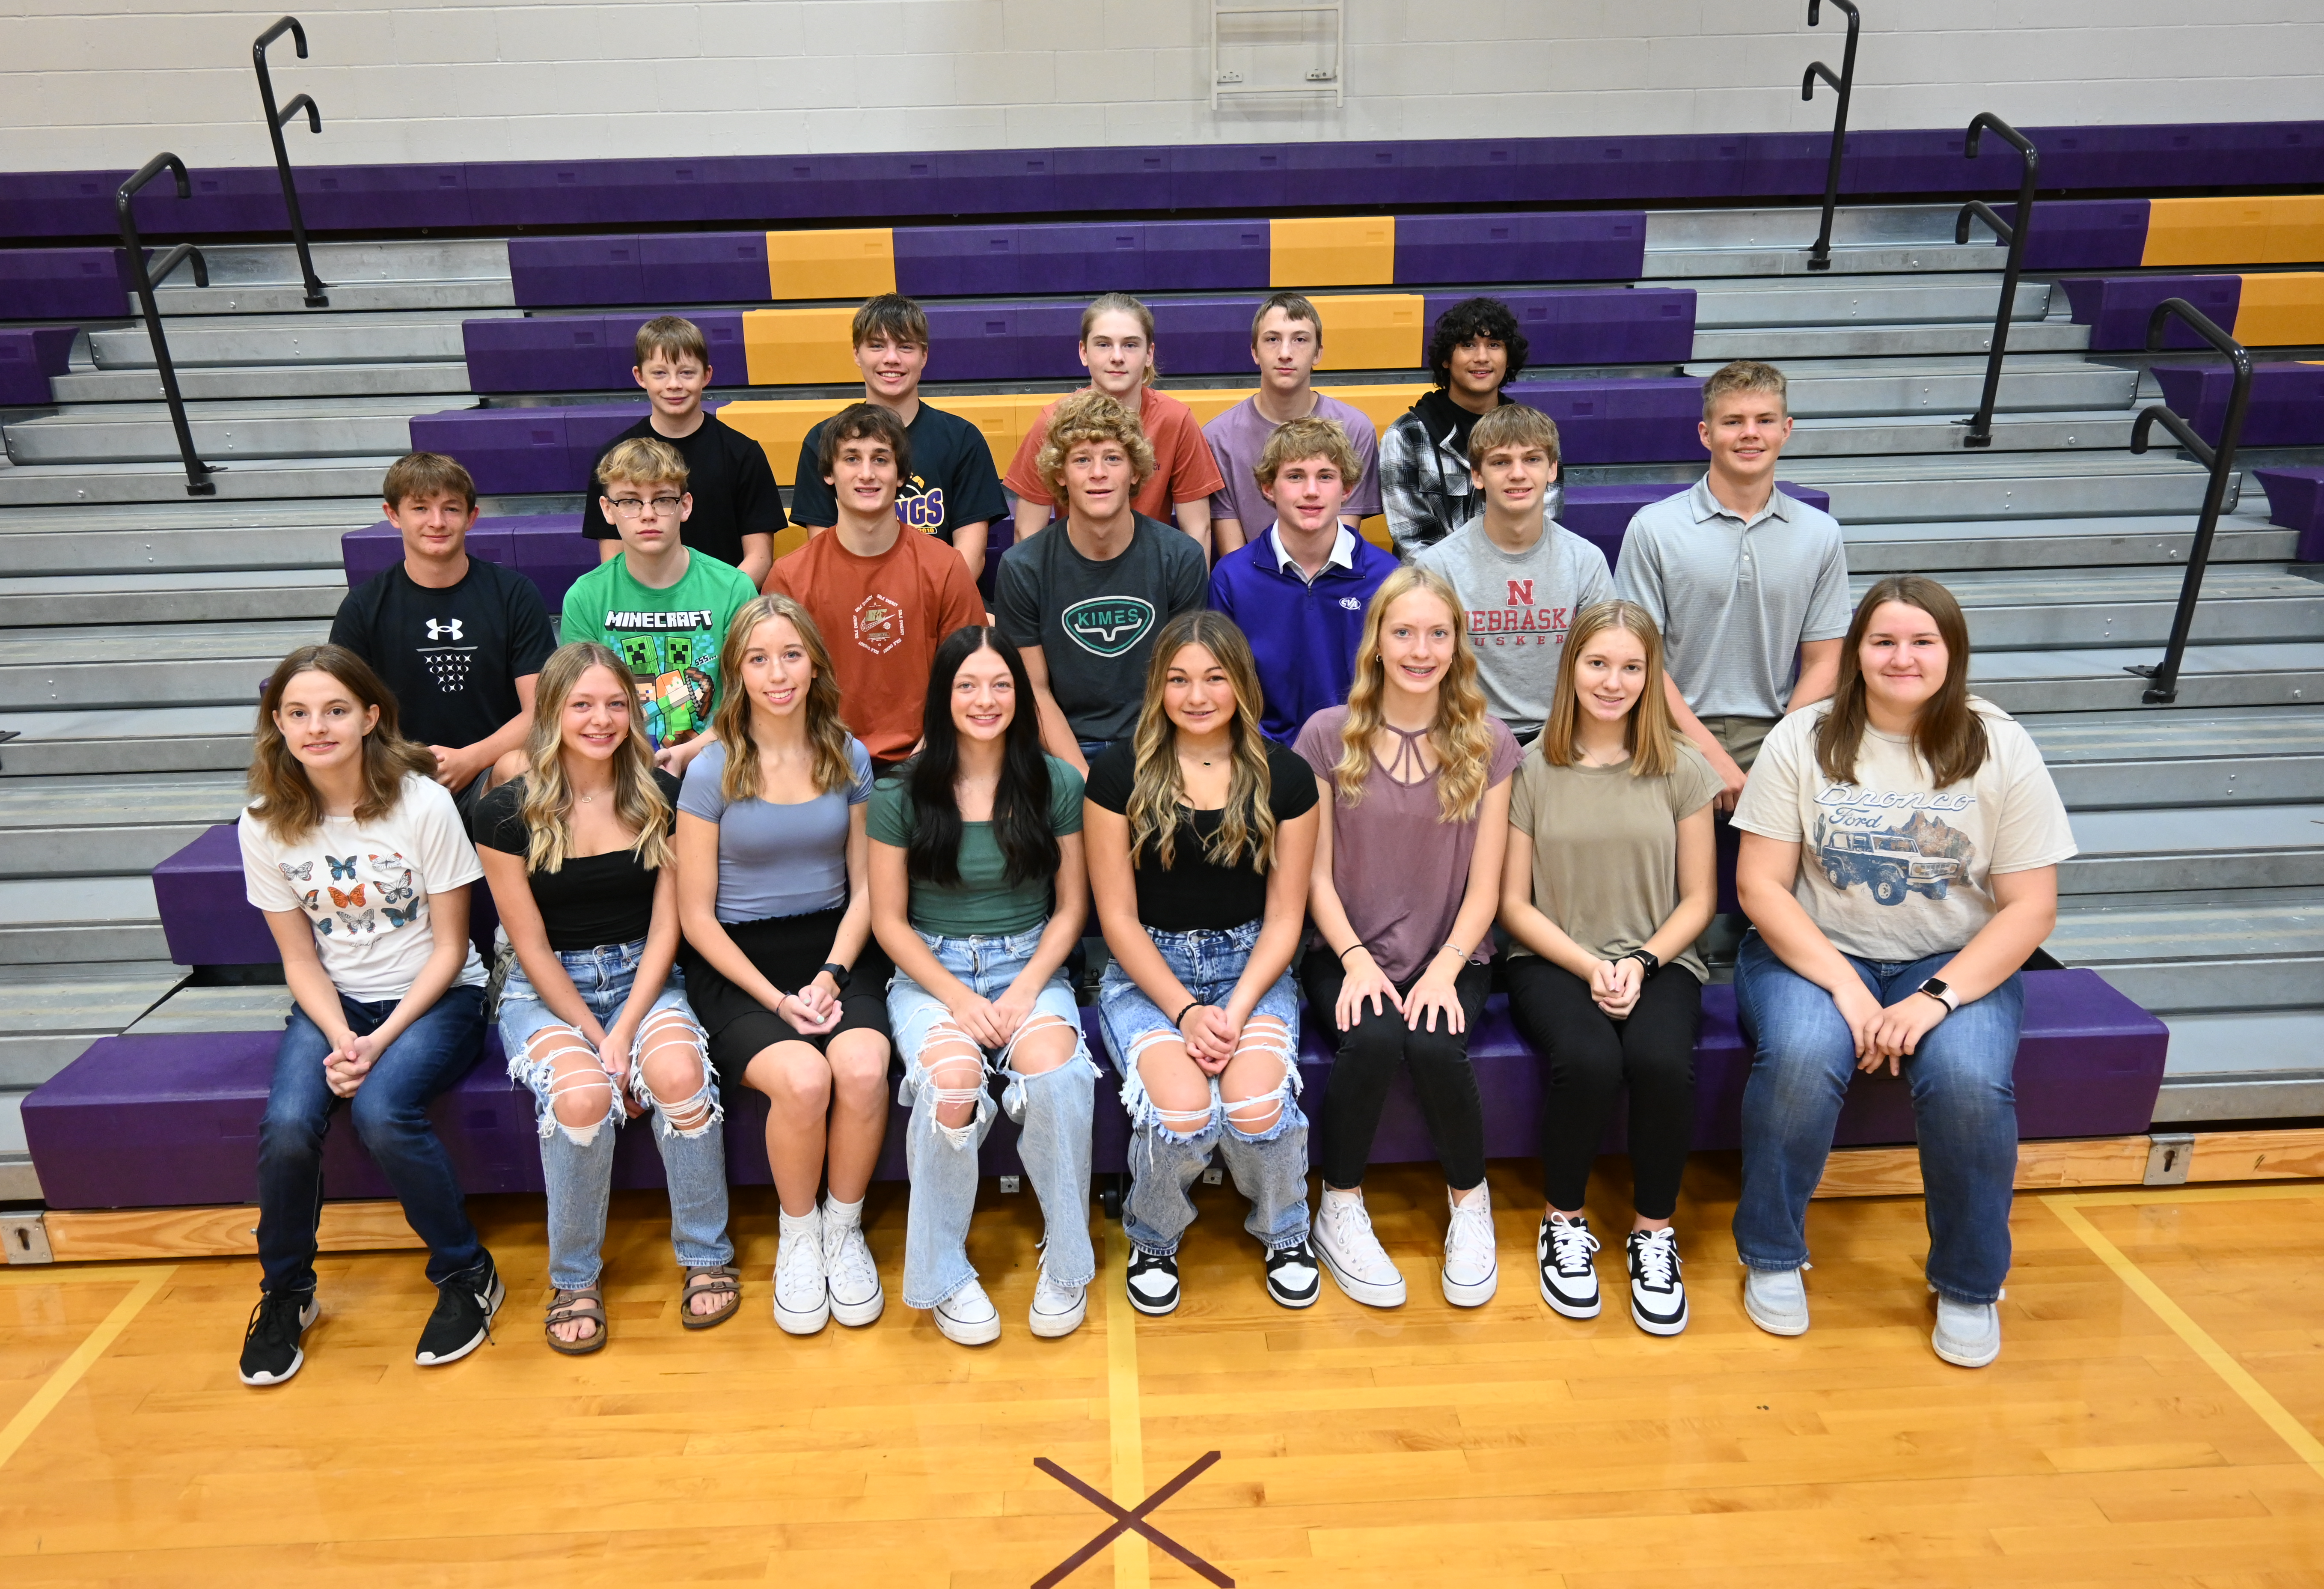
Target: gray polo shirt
1735,598
1519,605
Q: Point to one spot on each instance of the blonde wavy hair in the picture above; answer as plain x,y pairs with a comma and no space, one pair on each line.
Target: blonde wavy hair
1650,732
281,793
1158,796
1462,740
826,732
1123,303
1086,416
546,812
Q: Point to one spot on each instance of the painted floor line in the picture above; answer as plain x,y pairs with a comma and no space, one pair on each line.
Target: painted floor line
68,1373
1125,1421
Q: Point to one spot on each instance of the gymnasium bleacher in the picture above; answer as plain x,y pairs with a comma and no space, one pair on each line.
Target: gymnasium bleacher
137,1023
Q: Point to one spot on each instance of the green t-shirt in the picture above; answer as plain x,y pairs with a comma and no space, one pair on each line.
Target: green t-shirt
981,904
669,638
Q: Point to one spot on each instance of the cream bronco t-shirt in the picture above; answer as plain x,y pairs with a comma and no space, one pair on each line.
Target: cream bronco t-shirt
1896,869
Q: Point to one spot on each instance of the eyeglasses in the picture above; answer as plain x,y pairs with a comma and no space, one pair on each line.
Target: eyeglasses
629,507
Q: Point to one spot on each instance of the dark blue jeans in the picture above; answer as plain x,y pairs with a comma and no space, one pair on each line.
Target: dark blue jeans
1964,1111
391,1115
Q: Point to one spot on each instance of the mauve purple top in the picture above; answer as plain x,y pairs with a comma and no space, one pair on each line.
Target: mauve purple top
1400,869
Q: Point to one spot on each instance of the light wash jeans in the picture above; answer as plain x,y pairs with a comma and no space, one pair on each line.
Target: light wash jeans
1964,1110
1053,1108
1167,1149
577,1161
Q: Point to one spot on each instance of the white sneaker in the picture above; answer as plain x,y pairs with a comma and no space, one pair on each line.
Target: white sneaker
851,1277
802,1298
968,1317
1658,1299
1568,1282
1776,1299
1472,1268
1968,1333
1353,1255
1058,1308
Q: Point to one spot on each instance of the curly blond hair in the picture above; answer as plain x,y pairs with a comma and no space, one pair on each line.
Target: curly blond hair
1086,416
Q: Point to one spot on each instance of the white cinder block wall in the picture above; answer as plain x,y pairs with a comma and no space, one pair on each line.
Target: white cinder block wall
104,83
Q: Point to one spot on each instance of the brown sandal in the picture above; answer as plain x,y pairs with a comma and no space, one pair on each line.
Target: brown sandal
586,1305
725,1281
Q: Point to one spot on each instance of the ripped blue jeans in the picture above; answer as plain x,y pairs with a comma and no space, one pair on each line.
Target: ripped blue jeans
1263,1136
576,1161
1053,1108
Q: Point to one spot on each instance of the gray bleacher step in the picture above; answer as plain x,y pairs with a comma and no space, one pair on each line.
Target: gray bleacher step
255,1008
138,739
252,479
181,664
487,295
2119,761
1786,344
2201,847
1946,432
109,826
170,599
289,340
1934,547
231,382
2235,954
2237,1066
415,262
49,1014
47,921
224,432
2011,609
190,535
1860,301
1970,485
2095,680
1887,237
1837,388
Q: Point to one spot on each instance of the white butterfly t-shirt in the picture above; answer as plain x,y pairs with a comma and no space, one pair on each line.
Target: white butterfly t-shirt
365,887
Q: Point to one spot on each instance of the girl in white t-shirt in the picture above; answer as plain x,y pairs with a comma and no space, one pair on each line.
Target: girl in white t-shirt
1900,860
357,858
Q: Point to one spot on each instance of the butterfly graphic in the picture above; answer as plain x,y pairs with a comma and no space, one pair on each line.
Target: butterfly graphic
339,868
304,872
323,925
355,924
403,882
343,901
307,900
396,917
391,860
391,896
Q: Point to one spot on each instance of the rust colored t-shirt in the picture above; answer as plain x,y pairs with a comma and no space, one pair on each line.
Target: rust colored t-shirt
883,619
1184,469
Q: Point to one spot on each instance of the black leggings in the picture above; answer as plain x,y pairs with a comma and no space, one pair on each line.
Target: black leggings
1589,1056
1368,1059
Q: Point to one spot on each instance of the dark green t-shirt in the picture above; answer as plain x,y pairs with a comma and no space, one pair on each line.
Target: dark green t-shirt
982,904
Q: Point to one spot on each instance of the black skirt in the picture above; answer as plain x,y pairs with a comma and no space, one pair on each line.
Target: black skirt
788,951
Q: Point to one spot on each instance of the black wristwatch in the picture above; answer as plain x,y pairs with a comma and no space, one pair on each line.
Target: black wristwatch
838,974
1941,993
1648,963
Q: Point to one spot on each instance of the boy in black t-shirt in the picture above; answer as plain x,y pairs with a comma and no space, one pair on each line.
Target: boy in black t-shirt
737,511
953,490
460,641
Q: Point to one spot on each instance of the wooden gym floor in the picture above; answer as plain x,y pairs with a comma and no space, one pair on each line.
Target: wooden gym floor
2152,1420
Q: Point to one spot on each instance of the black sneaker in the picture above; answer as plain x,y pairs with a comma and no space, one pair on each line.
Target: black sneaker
1657,1299
1152,1281
270,1353
463,1320
1569,1283
1293,1278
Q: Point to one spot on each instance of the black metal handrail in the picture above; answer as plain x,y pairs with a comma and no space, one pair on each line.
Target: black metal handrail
142,277
276,120
2163,688
1819,257
1980,425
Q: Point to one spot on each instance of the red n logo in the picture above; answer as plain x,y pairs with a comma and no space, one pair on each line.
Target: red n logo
1521,592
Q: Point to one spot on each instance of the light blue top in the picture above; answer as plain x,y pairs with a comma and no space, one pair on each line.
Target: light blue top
777,860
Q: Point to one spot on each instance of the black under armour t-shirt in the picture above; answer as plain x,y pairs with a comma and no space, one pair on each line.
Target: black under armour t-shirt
451,656
727,474
952,483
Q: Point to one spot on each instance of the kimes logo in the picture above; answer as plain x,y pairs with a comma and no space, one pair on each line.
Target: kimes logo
1108,626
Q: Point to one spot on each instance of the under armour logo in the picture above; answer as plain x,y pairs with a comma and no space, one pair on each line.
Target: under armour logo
443,631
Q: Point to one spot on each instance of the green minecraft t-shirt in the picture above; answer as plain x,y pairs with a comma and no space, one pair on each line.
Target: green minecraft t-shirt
669,638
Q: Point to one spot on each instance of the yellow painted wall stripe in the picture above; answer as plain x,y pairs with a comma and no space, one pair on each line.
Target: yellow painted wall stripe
2281,309
1331,250
849,263
2285,230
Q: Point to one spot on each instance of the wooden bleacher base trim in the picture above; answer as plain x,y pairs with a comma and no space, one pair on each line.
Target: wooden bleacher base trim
116,1235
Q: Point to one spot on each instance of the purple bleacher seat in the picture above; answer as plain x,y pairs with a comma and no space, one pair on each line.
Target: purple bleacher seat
1124,178
1603,245
29,357
1602,513
1646,419
1251,177
953,260
2286,409
1209,257
2295,500
588,427
542,353
2117,307
998,181
703,267
1083,257
1595,326
507,450
1203,336
545,272
2083,235
722,329
63,283
548,549
377,198
1004,341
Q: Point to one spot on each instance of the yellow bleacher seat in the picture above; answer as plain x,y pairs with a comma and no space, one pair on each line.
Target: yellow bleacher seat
2281,310
1331,250
852,263
2282,230
799,346
1370,330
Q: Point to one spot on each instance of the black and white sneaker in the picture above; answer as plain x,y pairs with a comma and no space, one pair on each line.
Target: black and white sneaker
270,1353
1657,1299
1293,1278
1152,1281
463,1320
1569,1281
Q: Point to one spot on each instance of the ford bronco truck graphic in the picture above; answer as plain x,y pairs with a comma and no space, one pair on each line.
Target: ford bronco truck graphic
1891,863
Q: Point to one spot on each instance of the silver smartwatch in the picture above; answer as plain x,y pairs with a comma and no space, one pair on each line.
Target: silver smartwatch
1941,993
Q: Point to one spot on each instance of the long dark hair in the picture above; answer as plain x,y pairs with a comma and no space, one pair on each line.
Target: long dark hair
1947,735
1020,806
